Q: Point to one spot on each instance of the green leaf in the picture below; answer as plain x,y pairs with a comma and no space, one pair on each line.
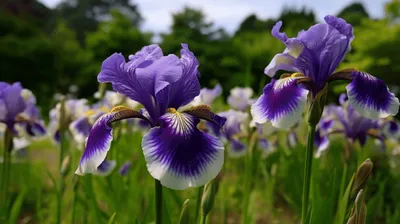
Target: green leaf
16,207
342,208
111,221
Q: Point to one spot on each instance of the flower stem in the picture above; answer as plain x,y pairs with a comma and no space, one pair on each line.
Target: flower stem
63,146
198,202
8,137
159,201
307,172
203,219
248,173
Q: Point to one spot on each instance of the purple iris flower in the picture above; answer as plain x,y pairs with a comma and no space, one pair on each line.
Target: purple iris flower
18,110
314,55
234,129
207,96
345,120
240,98
177,153
391,129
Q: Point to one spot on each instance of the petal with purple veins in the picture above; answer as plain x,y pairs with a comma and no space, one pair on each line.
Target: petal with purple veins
282,103
105,168
80,129
371,97
179,155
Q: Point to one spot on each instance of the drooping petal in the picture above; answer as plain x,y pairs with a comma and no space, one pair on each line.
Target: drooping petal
179,155
105,168
391,129
99,140
282,103
371,97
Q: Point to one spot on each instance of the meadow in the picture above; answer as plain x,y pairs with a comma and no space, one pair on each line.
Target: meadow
267,125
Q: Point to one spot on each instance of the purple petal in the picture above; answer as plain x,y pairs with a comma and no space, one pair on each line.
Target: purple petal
159,75
282,103
144,57
123,78
277,34
80,129
125,168
207,96
186,88
105,168
12,101
97,145
321,142
99,140
35,129
341,25
281,62
342,99
371,97
181,156
236,149
236,122
391,129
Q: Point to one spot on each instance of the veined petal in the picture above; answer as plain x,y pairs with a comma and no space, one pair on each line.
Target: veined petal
282,103
99,140
281,62
179,155
371,97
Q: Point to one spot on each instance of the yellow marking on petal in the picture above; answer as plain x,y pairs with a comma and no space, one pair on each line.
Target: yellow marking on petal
104,109
119,108
171,110
89,113
373,132
296,75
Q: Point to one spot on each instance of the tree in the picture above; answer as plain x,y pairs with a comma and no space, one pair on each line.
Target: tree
354,13
84,15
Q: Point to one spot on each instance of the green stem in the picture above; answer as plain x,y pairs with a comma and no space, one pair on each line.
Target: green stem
307,172
74,198
203,219
198,202
159,201
248,173
8,137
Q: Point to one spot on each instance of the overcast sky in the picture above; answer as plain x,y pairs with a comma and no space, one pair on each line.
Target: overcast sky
229,13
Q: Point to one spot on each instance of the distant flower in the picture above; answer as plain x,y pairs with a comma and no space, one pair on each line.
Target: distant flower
19,113
105,168
177,153
347,121
125,168
240,98
234,130
207,96
314,55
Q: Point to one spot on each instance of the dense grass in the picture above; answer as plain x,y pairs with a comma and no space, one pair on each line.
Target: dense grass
275,182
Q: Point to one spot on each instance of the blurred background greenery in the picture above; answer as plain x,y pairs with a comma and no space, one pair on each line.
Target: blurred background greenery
50,49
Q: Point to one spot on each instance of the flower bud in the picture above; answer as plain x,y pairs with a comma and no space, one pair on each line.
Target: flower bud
207,201
317,106
361,177
359,211
65,166
185,215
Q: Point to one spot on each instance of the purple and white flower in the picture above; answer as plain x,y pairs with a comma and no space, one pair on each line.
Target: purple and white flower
240,98
177,153
206,96
314,55
234,129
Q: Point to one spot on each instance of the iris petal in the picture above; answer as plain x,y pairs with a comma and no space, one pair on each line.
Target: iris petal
321,142
80,129
99,140
237,148
181,156
105,168
282,103
371,97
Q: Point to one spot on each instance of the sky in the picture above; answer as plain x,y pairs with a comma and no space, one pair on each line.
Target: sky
229,13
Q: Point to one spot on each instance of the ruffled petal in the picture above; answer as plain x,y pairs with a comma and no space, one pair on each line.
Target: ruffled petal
371,97
179,155
282,103
12,101
99,140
